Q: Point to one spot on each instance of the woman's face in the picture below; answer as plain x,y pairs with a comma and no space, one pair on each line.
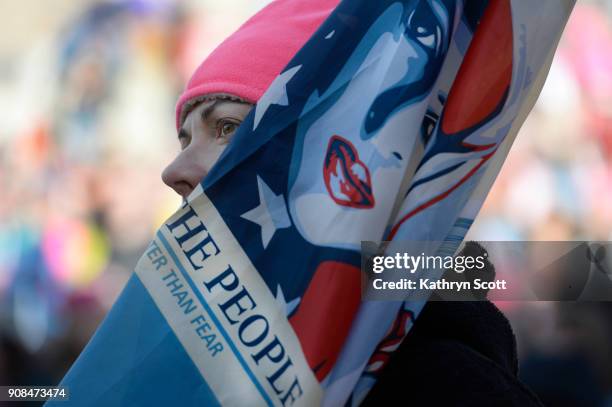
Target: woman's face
205,133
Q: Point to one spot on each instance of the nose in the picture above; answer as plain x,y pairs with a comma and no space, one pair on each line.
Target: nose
184,173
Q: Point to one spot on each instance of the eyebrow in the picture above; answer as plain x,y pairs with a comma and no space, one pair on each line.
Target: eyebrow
204,115
209,109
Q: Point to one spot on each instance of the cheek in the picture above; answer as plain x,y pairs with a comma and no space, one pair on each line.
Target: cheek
203,154
193,162
210,153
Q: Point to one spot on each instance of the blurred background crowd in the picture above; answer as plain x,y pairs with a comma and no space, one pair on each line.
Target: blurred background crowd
88,91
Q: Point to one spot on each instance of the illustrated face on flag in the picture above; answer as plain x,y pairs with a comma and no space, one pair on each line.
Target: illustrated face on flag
352,143
471,125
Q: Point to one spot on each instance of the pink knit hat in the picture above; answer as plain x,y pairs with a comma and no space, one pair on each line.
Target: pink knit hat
246,63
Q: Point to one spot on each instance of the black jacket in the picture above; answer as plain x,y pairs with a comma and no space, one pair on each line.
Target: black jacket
457,354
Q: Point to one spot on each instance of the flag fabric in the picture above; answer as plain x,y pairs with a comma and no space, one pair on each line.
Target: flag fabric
391,123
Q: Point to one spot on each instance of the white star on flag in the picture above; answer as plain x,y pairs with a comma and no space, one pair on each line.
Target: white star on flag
286,307
275,95
271,213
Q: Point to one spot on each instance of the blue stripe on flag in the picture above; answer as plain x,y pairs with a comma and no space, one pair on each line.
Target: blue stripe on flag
135,359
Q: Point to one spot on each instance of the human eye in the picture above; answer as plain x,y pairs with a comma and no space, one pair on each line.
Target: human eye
184,139
226,129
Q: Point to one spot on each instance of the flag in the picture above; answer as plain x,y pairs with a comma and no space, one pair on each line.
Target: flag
390,123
